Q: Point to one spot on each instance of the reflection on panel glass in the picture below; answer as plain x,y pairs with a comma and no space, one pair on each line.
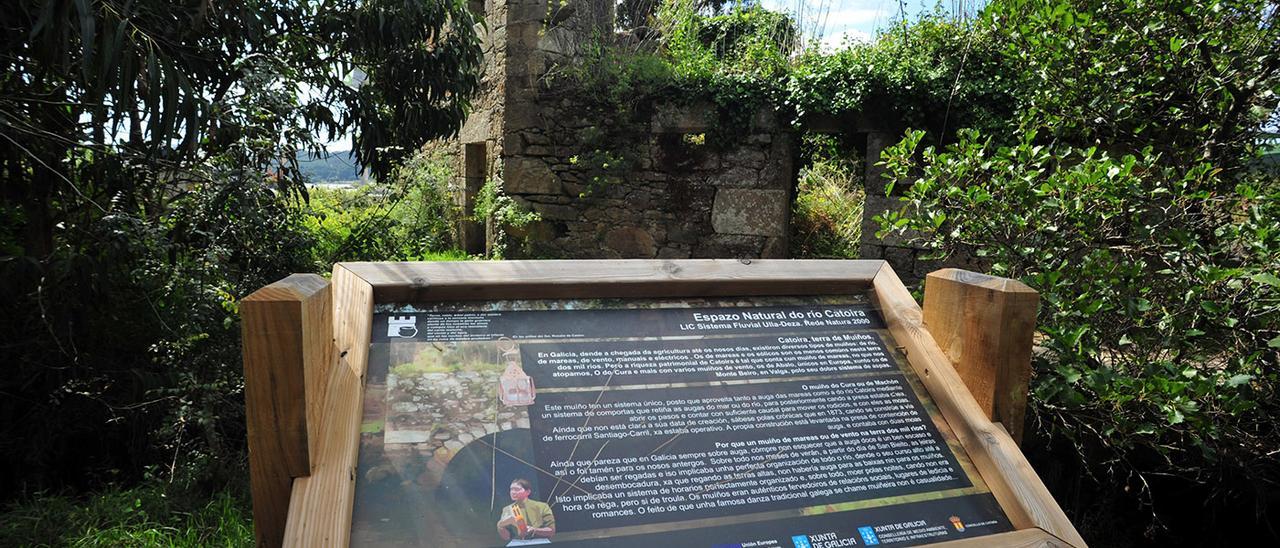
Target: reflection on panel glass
787,422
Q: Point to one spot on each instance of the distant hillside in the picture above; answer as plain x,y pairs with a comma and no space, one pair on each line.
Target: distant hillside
338,167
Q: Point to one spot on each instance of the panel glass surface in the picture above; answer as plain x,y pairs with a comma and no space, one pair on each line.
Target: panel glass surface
777,421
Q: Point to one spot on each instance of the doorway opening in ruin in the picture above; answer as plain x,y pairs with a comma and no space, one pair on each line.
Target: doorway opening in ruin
475,161
827,213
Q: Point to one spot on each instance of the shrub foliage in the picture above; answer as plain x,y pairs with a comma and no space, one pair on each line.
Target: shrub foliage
1122,195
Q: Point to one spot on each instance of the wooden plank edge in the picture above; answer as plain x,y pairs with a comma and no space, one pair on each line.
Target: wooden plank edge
1023,538
479,280
1013,482
320,506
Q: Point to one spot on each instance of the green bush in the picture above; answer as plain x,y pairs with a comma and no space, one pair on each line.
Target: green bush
747,40
503,216
1160,304
412,217
737,61
1122,193
1192,79
124,342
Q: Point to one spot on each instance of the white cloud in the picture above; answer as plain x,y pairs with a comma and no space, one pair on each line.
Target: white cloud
836,41
835,21
852,17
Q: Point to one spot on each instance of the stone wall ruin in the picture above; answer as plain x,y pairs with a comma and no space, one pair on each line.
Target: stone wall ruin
677,196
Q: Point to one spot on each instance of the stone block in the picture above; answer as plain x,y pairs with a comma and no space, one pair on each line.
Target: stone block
776,247
684,235
903,262
537,64
529,176
876,143
870,251
777,174
522,36
497,35
671,118
746,157
709,161
764,119
734,176
522,115
512,145
557,212
557,41
476,128
526,12
631,242
750,211
639,200
673,253
728,246
534,138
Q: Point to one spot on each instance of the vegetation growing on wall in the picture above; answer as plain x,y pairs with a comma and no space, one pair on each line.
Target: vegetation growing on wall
735,61
937,74
502,215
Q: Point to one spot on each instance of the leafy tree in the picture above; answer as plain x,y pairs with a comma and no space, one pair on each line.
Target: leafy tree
148,152
936,73
159,81
1194,79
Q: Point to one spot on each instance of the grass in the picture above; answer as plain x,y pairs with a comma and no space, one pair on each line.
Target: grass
146,515
827,215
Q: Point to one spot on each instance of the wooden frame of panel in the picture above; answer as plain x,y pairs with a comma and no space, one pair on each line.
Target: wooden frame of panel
320,500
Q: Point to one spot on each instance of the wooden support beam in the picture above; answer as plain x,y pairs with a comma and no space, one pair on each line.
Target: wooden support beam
1013,482
320,514
287,330
985,325
590,279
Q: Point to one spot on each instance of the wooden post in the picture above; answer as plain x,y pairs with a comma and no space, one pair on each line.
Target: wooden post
321,504
1021,494
984,325
287,330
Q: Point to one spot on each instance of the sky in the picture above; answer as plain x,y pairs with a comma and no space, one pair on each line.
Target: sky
835,21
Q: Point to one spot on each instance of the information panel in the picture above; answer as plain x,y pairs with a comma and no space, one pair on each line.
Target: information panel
775,422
